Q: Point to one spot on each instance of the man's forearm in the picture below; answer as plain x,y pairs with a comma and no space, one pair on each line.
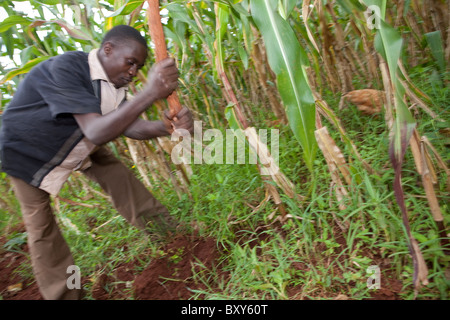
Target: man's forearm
102,129
144,130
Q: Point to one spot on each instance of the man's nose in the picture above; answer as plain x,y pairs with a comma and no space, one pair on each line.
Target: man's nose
133,70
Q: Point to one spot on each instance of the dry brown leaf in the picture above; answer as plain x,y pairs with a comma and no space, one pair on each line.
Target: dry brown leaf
332,153
336,162
15,287
422,270
368,101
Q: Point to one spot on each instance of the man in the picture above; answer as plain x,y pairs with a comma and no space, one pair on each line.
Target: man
64,110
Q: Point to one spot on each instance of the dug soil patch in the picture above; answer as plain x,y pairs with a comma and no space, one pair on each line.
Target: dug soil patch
176,275
13,284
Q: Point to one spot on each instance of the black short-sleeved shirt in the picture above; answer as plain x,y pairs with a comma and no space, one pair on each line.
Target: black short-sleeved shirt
38,128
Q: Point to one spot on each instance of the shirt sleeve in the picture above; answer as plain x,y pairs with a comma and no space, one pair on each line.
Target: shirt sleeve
66,86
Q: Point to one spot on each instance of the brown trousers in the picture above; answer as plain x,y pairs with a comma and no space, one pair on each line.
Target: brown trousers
50,255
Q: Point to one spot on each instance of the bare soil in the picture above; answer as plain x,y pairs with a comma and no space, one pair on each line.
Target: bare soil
172,275
12,285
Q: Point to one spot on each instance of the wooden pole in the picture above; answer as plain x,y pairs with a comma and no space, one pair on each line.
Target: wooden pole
158,38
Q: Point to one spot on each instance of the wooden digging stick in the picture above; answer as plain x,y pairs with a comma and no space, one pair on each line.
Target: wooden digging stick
157,35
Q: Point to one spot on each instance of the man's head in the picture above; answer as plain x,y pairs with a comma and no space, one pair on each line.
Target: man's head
123,52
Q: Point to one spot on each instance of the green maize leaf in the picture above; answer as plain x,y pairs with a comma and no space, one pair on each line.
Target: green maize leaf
230,115
176,31
172,35
12,21
288,60
22,70
390,45
49,2
180,28
350,5
388,42
285,7
222,15
72,31
28,53
434,41
127,8
247,33
8,41
179,12
238,7
242,54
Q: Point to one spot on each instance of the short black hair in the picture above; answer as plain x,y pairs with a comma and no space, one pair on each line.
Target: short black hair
123,33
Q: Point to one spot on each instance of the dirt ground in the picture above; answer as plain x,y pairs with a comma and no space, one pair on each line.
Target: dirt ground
168,277
12,285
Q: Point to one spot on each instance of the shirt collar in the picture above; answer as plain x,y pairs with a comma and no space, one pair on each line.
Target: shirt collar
95,67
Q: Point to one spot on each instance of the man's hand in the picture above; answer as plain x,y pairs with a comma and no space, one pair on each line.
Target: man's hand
162,79
182,120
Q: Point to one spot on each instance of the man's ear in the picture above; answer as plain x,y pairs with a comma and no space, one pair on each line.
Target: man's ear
107,48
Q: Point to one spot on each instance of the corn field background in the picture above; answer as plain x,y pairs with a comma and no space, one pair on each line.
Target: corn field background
359,93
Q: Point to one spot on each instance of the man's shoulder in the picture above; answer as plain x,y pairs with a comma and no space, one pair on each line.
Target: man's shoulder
72,57
76,54
69,59
71,62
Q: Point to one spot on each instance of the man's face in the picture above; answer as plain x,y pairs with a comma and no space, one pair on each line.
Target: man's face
122,61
